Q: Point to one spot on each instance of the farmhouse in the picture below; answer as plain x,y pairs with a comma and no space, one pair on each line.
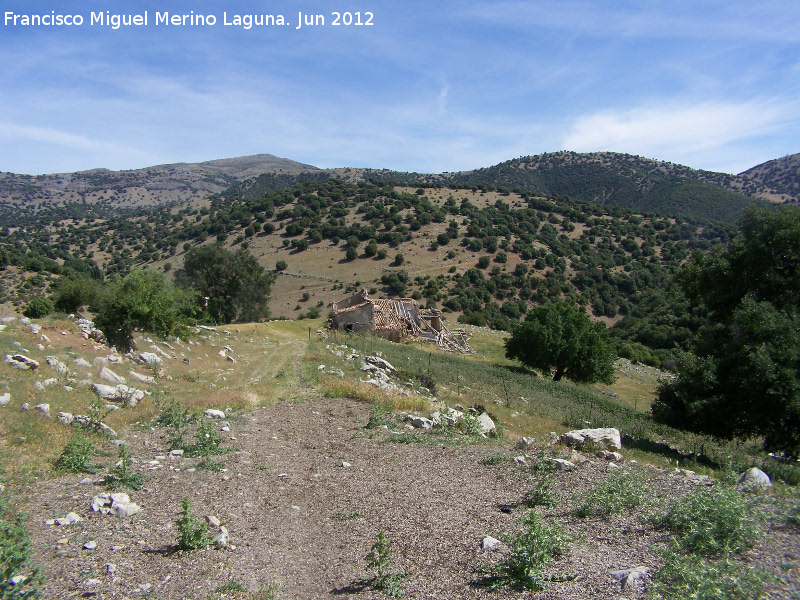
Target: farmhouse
396,319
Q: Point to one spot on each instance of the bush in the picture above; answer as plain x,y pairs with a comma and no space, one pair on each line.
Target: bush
281,265
77,455
15,555
712,522
620,490
38,308
379,559
686,577
531,551
192,533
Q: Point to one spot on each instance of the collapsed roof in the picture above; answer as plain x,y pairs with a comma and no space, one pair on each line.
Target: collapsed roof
396,319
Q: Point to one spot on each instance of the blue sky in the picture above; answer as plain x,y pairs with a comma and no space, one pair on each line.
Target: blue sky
429,87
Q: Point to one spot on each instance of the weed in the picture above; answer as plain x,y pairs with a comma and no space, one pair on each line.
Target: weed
174,415
494,459
711,522
266,592
531,551
207,441
542,495
97,412
122,475
15,555
542,464
77,455
379,560
686,577
340,516
793,516
192,533
210,465
230,587
376,415
620,490
470,425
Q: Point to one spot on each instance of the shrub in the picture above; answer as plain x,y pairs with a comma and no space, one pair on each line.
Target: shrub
618,491
15,555
122,475
686,577
192,533
711,522
38,308
379,560
542,495
281,265
531,551
77,455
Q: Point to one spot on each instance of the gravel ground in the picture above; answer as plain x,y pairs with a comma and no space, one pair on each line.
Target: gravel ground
300,519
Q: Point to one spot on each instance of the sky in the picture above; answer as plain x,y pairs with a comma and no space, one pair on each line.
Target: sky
426,87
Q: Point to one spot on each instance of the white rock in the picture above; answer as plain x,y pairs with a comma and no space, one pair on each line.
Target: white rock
213,413
380,363
83,363
150,358
559,464
520,460
5,399
525,443
43,408
486,423
17,579
65,418
213,521
421,423
222,538
346,464
489,543
143,378
754,479
90,545
606,438
99,363
631,577
57,365
110,376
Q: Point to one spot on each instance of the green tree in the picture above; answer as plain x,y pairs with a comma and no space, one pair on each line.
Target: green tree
38,308
75,291
143,300
281,265
559,336
746,364
235,287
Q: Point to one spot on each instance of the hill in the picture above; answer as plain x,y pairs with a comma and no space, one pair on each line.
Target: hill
781,177
157,185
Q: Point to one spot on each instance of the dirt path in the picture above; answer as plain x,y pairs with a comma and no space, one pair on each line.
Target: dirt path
302,520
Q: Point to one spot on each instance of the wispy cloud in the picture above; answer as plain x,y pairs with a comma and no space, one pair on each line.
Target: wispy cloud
679,129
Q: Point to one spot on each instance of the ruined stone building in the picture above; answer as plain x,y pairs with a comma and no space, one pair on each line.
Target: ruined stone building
396,319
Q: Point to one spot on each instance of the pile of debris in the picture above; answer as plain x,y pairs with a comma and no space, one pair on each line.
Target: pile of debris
396,319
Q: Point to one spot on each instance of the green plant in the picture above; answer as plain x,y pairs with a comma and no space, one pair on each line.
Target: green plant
712,522
542,495
122,475
376,415
531,551
192,533
379,560
207,441
494,459
620,490
269,591
19,579
686,577
38,308
229,587
173,415
97,412
77,455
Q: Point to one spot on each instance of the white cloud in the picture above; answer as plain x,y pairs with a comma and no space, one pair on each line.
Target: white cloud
685,133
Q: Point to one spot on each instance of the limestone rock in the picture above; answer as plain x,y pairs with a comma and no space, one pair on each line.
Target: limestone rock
5,399
110,376
150,358
486,424
83,363
525,443
753,480
213,413
65,418
421,423
43,408
490,543
629,578
56,364
559,464
606,438
610,456
142,378
118,504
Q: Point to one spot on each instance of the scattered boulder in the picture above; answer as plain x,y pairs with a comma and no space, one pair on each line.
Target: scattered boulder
22,362
381,363
629,578
109,375
59,366
119,393
421,423
142,378
448,417
149,358
213,413
118,504
70,519
5,399
486,424
83,363
490,543
560,464
606,438
525,443
65,418
753,480
43,408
